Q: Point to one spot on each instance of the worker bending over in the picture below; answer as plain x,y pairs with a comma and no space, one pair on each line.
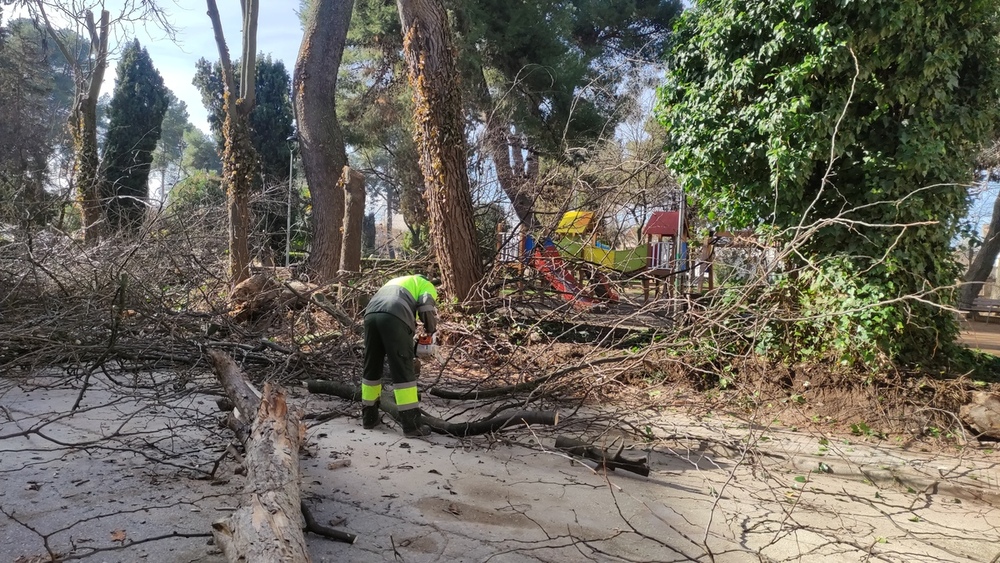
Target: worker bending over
390,324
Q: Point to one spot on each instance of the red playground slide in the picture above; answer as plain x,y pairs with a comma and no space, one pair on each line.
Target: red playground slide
546,259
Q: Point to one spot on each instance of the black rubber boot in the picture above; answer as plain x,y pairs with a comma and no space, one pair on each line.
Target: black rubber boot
410,421
370,417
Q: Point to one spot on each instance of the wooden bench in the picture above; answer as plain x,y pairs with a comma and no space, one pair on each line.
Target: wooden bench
985,310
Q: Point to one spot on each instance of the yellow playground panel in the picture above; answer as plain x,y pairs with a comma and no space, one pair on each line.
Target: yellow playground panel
575,223
574,226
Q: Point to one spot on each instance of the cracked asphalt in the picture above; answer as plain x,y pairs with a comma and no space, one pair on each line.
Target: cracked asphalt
129,477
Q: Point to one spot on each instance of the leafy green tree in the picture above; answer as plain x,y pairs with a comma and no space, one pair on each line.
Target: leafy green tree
201,189
561,67
200,152
271,119
135,118
851,127
541,76
488,217
26,84
548,77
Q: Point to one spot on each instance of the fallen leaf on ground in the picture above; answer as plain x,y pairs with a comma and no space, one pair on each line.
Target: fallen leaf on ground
118,536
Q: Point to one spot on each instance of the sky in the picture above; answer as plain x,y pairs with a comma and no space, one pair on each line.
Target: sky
279,33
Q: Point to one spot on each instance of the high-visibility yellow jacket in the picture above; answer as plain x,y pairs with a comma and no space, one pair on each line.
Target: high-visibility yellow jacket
407,297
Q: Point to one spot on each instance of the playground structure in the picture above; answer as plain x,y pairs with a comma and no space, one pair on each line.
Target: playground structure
579,267
586,272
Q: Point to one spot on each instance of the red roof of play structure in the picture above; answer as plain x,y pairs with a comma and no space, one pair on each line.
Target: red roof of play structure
662,223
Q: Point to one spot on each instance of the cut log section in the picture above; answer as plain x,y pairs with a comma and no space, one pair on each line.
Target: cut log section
605,459
351,392
267,526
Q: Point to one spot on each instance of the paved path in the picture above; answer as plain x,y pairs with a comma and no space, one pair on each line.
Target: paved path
981,336
719,489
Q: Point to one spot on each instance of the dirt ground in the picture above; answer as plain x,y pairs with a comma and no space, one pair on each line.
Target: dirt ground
129,477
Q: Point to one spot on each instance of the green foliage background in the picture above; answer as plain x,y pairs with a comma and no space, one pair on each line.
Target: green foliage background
199,190
838,122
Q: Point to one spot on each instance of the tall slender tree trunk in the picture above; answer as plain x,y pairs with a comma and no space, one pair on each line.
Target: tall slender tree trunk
513,182
239,170
440,137
83,120
505,157
239,159
86,168
320,138
390,208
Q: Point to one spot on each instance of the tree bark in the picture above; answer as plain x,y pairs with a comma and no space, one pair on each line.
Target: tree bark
83,120
321,140
267,527
440,137
354,219
239,159
983,263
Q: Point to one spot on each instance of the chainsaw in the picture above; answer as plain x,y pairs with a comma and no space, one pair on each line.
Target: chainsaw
426,345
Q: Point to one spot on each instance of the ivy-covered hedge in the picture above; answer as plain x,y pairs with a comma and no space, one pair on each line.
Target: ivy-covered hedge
851,127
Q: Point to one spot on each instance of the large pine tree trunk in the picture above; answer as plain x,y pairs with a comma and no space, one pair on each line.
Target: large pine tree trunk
440,137
354,219
320,137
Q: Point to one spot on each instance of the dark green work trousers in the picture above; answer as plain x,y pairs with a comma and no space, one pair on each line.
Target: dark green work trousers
387,337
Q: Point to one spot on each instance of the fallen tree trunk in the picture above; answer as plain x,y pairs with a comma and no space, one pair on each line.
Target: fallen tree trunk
351,392
268,524
243,397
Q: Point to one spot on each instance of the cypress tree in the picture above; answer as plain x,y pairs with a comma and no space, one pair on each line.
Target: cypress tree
135,119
